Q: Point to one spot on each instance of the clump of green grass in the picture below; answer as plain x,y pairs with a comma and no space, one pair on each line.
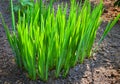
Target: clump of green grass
43,40
22,5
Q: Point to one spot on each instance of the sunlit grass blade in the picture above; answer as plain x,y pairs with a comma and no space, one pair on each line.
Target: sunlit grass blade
108,28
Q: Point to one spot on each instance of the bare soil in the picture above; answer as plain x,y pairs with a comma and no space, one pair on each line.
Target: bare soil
102,68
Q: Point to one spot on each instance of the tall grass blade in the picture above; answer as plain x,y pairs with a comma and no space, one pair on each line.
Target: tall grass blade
108,28
13,16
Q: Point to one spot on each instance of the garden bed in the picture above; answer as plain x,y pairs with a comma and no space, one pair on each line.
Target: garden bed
102,68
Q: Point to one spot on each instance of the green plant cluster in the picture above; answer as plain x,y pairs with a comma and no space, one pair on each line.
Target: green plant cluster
22,5
44,40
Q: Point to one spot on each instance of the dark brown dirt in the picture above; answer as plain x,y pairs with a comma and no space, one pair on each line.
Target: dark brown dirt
102,68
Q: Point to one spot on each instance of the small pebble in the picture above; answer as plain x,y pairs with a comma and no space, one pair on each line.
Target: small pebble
0,71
